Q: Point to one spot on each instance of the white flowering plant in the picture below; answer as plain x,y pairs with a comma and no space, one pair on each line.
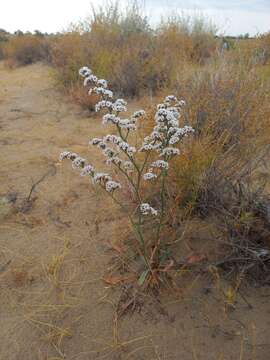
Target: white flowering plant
135,163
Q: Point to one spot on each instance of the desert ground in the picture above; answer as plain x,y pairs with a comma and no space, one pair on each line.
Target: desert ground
58,239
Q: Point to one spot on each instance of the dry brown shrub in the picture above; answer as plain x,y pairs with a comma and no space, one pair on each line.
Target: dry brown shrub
81,97
121,47
25,50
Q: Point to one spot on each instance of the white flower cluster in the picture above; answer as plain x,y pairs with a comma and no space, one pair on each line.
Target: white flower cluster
102,179
116,140
112,185
128,124
88,170
138,114
170,151
77,161
101,84
85,72
146,147
100,87
110,118
101,91
166,134
65,155
160,164
114,160
119,106
149,176
103,104
167,130
89,80
146,209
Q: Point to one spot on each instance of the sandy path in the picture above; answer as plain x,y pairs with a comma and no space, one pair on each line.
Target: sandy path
54,251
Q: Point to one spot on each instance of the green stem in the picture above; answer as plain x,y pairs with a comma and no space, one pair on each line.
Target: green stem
134,225
162,198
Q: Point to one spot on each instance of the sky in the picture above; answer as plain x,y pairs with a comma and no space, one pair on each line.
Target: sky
232,17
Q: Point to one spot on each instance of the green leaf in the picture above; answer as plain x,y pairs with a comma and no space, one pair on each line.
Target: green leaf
143,277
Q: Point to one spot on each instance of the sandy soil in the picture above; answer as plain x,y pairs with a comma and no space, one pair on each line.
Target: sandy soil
57,243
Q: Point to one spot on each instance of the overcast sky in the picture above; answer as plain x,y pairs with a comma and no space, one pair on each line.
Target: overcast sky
232,17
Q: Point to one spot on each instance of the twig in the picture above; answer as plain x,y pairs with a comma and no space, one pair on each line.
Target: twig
51,171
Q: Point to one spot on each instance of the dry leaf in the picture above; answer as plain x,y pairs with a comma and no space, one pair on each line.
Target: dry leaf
195,258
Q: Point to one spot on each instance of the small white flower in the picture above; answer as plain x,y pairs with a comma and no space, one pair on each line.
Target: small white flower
78,162
64,155
131,151
108,152
85,71
160,128
158,146
103,83
138,114
173,131
170,151
121,102
101,91
102,145
103,104
161,164
72,156
181,103
89,80
119,105
124,146
87,170
146,147
170,98
113,139
95,141
110,118
162,112
161,106
126,124
146,209
149,176
155,135
174,140
188,129
112,185
114,160
108,93
119,108
101,178
173,122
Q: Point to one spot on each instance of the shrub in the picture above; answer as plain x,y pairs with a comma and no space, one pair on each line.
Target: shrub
1,52
264,48
68,53
4,36
25,49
